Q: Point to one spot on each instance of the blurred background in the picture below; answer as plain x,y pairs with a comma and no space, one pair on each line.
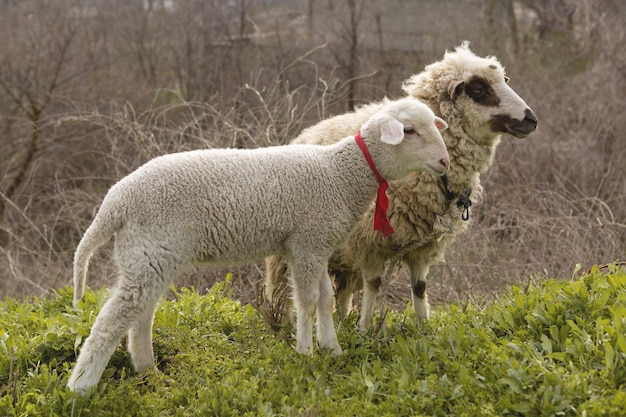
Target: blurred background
91,89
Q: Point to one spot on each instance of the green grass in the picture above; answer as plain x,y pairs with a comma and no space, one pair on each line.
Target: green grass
555,348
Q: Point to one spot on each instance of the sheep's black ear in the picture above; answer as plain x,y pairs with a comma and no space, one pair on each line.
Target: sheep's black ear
456,87
391,131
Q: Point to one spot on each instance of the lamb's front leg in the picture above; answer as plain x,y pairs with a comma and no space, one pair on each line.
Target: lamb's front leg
306,285
326,334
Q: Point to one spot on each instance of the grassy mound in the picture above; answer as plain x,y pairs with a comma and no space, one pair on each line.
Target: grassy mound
555,348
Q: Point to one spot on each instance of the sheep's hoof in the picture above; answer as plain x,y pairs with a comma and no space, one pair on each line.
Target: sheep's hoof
422,312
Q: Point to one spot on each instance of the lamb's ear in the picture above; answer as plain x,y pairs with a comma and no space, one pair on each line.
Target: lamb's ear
391,131
440,123
455,89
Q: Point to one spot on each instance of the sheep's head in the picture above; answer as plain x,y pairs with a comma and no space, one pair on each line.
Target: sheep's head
472,93
404,137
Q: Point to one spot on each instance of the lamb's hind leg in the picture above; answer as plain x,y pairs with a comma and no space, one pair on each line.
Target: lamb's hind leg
308,277
419,270
140,334
118,313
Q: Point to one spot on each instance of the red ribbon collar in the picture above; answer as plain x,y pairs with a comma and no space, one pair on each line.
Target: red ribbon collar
382,202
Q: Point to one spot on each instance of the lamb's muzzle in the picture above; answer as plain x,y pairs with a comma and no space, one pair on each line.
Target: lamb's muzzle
444,165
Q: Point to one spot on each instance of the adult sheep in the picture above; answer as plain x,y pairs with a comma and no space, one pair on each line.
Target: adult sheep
472,95
212,206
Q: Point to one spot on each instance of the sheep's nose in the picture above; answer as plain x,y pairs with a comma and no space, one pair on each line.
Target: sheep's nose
530,119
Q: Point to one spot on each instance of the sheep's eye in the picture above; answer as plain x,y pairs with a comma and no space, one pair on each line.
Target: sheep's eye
477,90
480,91
409,131
506,79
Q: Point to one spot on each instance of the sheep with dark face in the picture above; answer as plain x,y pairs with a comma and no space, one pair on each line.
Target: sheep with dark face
212,206
427,213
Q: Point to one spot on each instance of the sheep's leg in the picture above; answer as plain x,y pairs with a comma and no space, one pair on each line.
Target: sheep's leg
347,282
419,270
344,303
277,286
371,284
326,334
371,278
118,313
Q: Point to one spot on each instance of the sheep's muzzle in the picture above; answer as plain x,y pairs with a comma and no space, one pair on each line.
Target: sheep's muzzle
518,128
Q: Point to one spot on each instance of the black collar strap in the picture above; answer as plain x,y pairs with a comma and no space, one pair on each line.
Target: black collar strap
463,199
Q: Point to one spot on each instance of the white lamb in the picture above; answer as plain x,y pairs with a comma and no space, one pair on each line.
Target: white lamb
212,206
472,95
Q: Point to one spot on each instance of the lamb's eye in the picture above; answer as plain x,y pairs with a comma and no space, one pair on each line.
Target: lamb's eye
409,131
506,79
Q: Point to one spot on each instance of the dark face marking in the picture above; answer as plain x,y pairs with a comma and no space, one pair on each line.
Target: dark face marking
419,289
479,90
503,123
458,90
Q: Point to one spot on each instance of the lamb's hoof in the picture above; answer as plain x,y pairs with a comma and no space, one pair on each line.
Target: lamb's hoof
364,325
334,348
304,350
82,390
147,370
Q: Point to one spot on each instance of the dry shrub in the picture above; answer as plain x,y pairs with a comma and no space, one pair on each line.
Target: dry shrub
551,201
557,198
105,144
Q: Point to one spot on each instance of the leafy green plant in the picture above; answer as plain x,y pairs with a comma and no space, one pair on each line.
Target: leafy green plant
553,348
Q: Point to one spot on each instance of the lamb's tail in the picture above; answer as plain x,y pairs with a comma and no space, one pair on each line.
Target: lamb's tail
106,223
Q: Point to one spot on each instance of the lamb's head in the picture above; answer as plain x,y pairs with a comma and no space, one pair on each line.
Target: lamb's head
472,93
403,137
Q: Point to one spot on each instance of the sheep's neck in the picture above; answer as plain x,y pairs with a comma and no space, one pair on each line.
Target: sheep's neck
463,198
381,222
